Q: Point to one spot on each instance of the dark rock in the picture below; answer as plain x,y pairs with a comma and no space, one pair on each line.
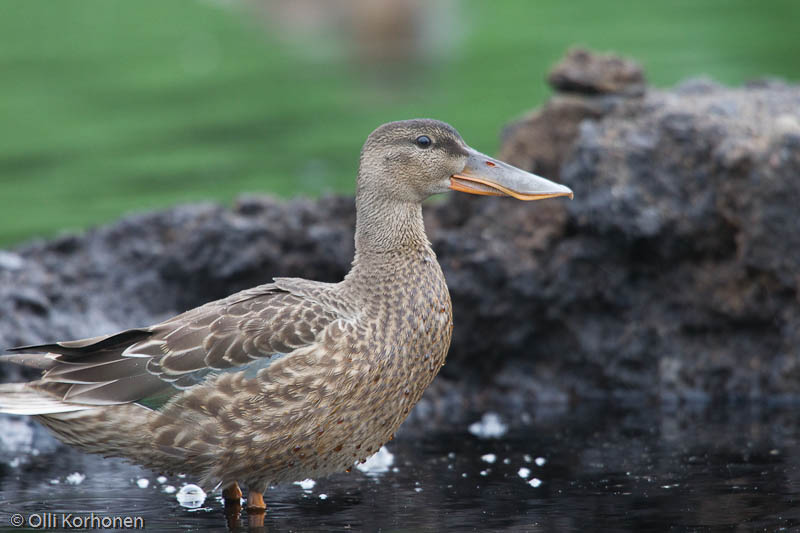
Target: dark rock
674,274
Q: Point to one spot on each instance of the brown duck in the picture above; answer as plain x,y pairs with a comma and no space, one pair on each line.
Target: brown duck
294,378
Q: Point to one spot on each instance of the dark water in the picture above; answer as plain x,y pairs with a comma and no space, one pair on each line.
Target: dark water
601,468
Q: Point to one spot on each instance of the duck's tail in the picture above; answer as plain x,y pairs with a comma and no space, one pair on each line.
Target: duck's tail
21,399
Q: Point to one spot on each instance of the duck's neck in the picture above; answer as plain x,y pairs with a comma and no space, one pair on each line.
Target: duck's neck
388,226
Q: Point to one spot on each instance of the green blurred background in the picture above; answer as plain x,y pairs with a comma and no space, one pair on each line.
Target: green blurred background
112,106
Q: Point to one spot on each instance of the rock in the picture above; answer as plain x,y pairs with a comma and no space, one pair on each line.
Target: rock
673,275
586,72
588,86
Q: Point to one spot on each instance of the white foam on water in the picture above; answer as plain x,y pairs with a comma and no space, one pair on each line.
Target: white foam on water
379,463
489,458
490,426
306,484
75,478
143,483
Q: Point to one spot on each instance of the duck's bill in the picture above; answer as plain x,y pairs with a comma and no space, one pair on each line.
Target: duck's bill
488,176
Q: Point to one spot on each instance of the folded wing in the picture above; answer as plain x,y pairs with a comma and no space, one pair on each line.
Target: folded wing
247,330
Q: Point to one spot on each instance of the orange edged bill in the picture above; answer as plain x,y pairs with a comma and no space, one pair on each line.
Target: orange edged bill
491,177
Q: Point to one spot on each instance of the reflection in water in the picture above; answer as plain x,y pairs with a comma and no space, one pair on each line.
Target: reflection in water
610,467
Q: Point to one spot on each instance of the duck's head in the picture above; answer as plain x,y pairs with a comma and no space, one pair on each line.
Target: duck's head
411,160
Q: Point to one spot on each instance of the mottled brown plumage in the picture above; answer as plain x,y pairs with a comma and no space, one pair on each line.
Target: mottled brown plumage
294,378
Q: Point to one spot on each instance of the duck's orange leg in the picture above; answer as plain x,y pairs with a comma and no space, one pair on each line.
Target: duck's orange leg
256,509
255,502
232,494
232,497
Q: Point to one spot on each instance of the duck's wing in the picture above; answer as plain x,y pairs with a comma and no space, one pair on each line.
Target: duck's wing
247,330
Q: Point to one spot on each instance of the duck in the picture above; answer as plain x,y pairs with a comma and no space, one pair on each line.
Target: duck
295,378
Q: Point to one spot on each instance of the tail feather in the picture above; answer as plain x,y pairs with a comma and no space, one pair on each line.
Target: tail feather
20,399
31,360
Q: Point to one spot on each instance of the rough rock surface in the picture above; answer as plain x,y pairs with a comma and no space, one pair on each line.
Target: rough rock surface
674,274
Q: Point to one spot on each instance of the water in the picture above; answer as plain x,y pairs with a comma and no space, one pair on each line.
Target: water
600,467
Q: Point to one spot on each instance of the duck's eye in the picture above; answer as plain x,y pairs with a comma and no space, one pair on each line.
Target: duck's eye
423,141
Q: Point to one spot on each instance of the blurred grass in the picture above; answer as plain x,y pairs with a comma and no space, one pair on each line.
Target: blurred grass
110,106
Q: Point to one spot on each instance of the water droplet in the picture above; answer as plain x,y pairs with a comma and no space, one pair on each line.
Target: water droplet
191,496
